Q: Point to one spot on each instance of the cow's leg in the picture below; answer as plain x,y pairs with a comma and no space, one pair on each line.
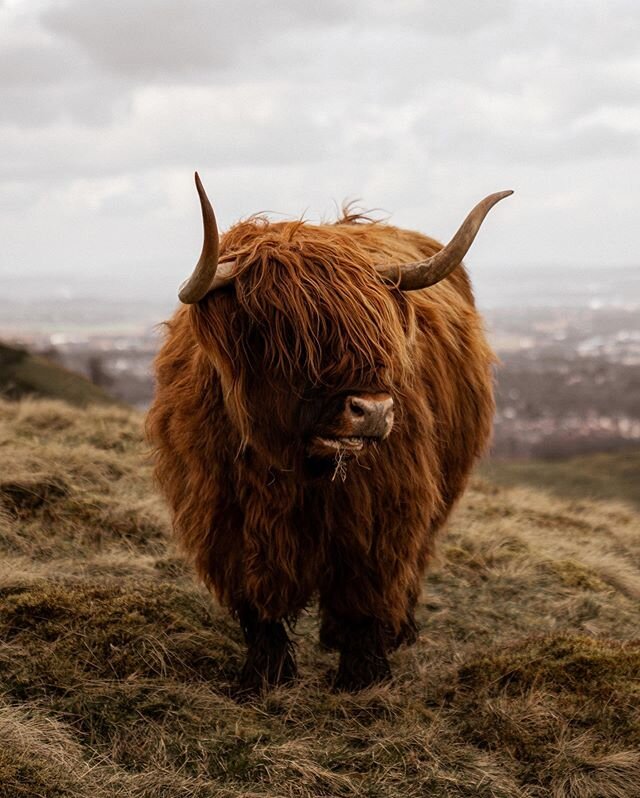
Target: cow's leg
356,619
409,631
270,658
363,642
363,655
334,631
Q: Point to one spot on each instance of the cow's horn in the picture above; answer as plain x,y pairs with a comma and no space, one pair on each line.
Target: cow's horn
423,273
201,281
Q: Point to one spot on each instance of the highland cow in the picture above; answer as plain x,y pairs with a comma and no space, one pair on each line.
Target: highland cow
322,395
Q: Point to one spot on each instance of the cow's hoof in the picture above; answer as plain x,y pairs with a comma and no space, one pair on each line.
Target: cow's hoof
359,672
407,636
268,666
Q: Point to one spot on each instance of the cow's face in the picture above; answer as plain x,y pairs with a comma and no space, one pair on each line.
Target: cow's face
311,345
310,337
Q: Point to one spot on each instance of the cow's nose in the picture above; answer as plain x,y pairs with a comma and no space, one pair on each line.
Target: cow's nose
369,415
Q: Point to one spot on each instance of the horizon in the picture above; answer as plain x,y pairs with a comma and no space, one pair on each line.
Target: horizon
495,285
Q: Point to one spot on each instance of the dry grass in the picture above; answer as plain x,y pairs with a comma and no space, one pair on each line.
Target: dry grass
116,672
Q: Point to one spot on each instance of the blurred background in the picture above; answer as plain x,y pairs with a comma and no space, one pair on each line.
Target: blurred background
416,109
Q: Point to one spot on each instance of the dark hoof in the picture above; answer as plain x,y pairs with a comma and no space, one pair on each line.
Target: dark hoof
407,636
270,662
357,672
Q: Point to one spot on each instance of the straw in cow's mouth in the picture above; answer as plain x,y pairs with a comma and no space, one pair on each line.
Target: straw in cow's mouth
351,443
340,468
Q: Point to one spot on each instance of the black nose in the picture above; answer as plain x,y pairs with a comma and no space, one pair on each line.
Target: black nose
369,416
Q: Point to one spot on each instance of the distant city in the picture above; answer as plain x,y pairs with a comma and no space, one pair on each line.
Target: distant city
568,343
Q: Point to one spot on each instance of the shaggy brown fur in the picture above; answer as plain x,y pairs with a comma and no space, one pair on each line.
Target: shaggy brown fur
242,379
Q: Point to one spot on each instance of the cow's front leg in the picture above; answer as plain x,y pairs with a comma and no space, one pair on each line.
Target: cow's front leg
363,657
270,658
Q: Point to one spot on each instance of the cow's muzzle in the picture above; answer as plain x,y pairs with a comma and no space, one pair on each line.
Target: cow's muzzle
369,416
364,418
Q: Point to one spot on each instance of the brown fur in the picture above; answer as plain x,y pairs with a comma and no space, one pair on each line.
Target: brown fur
239,380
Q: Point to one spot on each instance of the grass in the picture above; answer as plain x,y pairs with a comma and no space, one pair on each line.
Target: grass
595,476
24,374
117,671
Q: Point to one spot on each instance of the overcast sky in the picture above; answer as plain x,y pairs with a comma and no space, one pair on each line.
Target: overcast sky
417,108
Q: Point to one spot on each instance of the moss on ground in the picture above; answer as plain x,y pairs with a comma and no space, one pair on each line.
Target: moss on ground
116,629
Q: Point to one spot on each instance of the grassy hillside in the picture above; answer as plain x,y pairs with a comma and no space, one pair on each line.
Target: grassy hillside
117,672
24,374
597,476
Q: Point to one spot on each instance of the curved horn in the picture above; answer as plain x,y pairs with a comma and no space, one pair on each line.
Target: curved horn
200,282
423,273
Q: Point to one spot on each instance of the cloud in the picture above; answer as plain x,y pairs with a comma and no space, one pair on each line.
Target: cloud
169,38
33,64
142,38
106,108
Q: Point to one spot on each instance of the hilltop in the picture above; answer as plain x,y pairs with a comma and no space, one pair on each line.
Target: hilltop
23,374
117,671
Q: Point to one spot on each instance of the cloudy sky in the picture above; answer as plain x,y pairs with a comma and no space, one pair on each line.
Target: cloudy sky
415,107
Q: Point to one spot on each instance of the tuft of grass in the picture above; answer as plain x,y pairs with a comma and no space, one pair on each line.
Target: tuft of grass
113,629
39,756
577,575
565,708
74,479
117,671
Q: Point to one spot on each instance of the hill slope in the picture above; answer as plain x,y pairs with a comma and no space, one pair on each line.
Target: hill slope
117,672
613,475
23,374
